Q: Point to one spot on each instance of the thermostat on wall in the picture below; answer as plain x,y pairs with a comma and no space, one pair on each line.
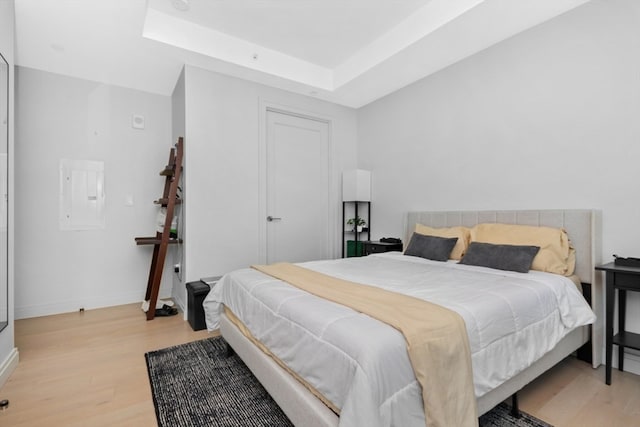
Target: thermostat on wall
137,121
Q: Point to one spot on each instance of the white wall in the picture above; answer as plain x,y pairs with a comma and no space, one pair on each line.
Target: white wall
222,152
178,130
8,351
546,119
62,117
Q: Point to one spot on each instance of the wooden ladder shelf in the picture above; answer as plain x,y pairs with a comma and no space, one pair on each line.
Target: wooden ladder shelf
162,239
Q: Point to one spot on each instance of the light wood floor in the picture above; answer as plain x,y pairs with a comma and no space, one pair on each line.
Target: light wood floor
88,369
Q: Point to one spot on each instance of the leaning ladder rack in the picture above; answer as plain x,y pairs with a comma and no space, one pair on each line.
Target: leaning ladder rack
162,239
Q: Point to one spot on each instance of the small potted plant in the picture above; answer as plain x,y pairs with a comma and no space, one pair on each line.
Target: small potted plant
358,222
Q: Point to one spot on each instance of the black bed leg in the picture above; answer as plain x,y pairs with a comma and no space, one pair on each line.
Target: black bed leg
230,351
515,411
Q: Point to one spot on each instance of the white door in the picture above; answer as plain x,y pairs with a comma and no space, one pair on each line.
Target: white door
297,188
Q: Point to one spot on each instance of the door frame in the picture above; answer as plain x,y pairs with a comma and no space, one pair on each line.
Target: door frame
265,107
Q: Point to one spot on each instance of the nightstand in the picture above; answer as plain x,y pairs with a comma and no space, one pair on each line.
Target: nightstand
378,247
623,279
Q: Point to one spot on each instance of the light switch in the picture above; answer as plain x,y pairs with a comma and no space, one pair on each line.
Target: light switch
128,200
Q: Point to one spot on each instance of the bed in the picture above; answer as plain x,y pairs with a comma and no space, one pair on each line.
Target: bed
305,407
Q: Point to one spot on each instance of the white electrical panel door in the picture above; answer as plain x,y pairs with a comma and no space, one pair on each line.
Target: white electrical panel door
82,195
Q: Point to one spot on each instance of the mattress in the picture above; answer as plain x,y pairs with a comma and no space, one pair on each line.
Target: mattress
361,365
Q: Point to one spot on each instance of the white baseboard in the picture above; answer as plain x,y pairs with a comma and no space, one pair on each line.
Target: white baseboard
25,312
8,366
179,297
631,360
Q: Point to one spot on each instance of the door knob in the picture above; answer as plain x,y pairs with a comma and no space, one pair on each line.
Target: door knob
272,218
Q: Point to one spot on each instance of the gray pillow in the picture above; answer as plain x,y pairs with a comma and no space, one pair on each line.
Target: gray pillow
431,247
501,257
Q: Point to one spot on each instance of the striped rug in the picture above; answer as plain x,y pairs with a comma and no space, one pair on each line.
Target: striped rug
197,385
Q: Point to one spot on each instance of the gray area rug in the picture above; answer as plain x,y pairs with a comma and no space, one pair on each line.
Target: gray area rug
197,385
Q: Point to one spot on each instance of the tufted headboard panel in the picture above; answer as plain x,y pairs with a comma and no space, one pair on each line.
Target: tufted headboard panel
582,225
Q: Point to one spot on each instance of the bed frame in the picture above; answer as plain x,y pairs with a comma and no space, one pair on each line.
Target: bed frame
583,228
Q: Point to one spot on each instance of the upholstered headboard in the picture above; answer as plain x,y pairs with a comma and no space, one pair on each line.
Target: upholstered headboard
583,227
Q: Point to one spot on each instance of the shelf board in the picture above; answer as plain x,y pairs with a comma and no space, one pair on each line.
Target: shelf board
165,202
168,170
627,339
155,241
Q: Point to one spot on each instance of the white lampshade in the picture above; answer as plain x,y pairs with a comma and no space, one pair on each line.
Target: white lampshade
356,186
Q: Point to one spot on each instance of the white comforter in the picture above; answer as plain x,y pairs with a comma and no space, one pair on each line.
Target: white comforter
361,364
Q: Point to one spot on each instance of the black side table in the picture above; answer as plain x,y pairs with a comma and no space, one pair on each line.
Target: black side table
623,279
378,247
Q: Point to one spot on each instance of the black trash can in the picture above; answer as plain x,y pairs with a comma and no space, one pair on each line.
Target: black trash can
196,292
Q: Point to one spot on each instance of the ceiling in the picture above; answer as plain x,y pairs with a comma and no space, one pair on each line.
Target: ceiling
348,52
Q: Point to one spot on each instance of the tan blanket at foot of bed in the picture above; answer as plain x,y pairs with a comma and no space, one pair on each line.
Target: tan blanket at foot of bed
436,339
